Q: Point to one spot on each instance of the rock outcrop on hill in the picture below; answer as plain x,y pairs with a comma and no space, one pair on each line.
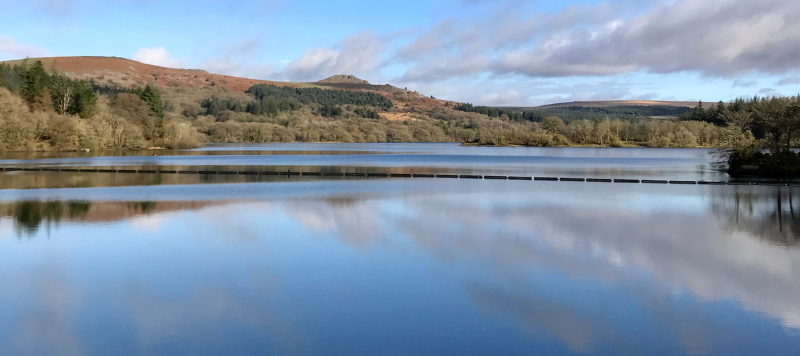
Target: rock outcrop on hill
343,79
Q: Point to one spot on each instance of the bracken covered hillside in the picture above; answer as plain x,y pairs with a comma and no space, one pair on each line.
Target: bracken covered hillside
114,71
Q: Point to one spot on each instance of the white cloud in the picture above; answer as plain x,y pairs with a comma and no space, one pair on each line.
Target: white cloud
313,61
147,223
509,98
157,56
235,61
9,46
6,228
357,54
720,38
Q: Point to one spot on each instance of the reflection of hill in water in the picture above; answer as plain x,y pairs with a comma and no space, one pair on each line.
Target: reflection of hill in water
773,217
29,216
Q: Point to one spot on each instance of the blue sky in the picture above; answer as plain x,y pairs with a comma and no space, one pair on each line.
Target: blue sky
502,52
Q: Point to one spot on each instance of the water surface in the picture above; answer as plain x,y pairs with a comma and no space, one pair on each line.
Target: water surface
403,266
641,163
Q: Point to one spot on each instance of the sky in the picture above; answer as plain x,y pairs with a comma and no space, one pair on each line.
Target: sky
487,52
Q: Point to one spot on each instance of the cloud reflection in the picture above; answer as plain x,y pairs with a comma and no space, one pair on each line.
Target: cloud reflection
698,255
588,274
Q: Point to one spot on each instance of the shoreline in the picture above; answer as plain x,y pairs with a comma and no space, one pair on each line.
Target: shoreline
157,149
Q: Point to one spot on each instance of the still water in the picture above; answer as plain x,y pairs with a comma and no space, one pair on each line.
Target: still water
400,266
641,163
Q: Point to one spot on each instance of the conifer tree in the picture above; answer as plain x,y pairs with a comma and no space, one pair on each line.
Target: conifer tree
152,96
84,100
3,76
62,90
34,79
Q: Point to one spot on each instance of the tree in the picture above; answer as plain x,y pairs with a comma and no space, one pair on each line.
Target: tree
43,101
34,79
791,119
740,120
771,114
84,100
62,90
136,111
602,131
3,76
152,96
553,124
699,113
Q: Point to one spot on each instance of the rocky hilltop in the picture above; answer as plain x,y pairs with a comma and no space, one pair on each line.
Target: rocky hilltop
343,79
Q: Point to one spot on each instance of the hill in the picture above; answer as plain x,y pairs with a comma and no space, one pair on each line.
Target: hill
44,110
121,72
126,73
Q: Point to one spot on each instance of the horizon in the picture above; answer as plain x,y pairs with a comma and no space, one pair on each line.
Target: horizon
503,53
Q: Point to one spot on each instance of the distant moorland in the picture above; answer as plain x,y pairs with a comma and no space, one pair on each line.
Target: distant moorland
102,103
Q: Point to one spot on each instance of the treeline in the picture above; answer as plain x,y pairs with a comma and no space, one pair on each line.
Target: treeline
553,131
269,100
446,125
321,96
714,113
41,110
571,113
524,115
49,91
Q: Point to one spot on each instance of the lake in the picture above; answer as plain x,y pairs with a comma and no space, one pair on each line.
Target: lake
158,264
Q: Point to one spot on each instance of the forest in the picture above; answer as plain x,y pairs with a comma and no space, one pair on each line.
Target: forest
43,110
269,100
572,113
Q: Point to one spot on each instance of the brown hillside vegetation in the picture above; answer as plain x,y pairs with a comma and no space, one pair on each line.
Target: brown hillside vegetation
113,71
121,72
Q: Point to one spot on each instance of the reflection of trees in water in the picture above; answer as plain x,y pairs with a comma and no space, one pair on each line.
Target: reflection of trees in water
146,206
29,215
774,217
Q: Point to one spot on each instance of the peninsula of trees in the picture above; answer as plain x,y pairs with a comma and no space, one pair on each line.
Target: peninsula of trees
766,131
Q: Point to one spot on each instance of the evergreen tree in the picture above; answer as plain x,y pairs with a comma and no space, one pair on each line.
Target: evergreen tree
34,79
10,77
152,96
330,111
3,75
698,113
62,90
84,100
